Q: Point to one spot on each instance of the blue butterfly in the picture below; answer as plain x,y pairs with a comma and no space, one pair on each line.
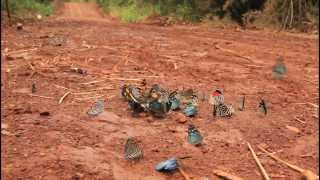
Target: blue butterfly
194,137
167,165
190,110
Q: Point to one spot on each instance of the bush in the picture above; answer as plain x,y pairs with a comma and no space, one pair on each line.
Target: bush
277,13
128,10
23,7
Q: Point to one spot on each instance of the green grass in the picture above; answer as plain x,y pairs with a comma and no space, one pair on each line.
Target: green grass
131,13
128,11
25,7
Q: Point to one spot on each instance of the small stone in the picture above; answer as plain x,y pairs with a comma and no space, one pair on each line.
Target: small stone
204,150
181,118
39,17
155,150
42,154
4,126
19,26
172,130
4,132
150,119
293,129
45,113
170,141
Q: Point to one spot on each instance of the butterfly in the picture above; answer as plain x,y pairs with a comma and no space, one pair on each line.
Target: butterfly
194,137
190,110
97,108
279,69
223,110
217,98
134,97
158,102
175,100
263,106
131,93
167,165
132,150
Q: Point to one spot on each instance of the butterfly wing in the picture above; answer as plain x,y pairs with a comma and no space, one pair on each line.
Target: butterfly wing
194,137
96,109
167,165
132,150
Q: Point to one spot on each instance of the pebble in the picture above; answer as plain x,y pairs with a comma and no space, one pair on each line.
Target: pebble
4,126
4,132
181,118
155,150
19,26
293,129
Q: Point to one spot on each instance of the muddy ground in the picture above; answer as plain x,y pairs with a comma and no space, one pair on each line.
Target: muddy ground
68,144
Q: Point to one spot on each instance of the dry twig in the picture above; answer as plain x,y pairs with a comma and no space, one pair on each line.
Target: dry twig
226,175
296,168
184,174
263,171
233,53
21,51
46,97
64,96
81,99
299,120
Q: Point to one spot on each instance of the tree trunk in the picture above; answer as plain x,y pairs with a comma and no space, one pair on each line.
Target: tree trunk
8,10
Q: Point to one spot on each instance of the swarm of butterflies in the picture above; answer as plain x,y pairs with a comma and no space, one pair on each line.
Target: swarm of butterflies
159,101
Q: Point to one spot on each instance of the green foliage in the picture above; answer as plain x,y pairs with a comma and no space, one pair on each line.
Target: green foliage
23,7
128,10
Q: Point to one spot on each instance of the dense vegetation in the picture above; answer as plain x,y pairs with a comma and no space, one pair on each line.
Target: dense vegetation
281,13
286,14
26,7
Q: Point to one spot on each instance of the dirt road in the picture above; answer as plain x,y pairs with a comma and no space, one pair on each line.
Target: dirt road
68,144
80,11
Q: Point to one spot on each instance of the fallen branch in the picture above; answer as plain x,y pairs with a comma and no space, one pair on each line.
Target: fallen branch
81,99
34,95
125,79
186,177
226,175
314,105
81,93
64,96
58,86
92,82
299,120
135,71
233,53
263,171
102,88
296,168
21,51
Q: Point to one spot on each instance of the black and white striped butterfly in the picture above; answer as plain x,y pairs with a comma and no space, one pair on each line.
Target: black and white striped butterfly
263,107
132,150
222,110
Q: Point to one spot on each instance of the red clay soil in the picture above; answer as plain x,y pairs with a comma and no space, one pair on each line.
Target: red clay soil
68,144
